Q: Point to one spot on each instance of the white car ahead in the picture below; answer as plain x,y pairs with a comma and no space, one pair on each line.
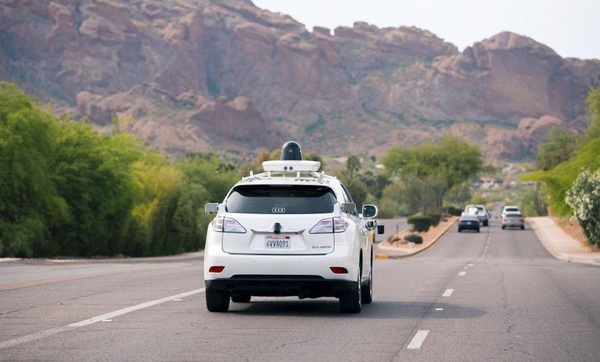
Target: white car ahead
481,212
289,231
508,208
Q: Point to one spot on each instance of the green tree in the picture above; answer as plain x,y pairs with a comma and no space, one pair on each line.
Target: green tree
560,147
352,166
93,175
593,109
206,178
458,195
560,178
29,200
533,202
429,171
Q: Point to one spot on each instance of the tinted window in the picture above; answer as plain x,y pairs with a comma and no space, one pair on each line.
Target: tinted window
279,199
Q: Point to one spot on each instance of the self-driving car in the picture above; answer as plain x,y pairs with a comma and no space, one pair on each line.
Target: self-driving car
289,231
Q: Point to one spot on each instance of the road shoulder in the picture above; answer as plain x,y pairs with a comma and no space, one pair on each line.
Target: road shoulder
561,245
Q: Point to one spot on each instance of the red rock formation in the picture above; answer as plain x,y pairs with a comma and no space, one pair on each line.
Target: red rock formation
203,75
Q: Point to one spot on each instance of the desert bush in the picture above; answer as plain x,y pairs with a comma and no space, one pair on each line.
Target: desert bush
414,238
420,223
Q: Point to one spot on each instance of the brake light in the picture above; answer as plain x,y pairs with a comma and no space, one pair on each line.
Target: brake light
330,225
227,225
339,270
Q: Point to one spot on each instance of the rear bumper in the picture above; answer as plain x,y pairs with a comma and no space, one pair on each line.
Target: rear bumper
305,276
303,286
515,224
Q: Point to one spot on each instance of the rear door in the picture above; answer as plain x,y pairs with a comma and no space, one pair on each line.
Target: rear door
281,219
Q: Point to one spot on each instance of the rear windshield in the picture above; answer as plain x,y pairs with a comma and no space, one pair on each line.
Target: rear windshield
280,199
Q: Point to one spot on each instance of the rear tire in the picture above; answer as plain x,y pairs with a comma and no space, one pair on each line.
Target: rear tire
217,301
350,302
367,289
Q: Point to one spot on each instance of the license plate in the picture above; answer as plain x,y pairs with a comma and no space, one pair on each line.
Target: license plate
277,242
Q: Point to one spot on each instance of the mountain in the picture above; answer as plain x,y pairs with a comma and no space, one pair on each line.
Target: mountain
208,75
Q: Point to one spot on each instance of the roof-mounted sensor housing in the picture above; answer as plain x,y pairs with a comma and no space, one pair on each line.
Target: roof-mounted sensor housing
291,160
291,151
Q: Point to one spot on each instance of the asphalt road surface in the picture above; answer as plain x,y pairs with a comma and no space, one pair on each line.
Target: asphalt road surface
490,296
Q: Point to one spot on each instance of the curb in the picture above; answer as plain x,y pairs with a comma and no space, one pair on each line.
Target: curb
418,251
568,250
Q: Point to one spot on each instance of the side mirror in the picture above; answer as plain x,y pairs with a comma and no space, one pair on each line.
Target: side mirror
211,208
380,229
369,211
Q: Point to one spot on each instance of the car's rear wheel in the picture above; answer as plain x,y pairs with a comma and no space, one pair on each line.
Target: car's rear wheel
217,301
367,289
350,302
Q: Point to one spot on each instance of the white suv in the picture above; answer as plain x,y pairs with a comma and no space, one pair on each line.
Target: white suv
289,231
480,211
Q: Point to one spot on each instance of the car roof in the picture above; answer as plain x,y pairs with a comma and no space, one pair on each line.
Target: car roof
474,206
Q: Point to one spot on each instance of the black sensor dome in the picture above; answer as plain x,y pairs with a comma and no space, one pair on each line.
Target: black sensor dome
291,151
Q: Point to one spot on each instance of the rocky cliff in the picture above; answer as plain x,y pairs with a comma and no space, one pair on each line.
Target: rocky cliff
207,75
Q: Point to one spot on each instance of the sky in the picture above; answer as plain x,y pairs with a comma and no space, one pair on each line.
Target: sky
570,27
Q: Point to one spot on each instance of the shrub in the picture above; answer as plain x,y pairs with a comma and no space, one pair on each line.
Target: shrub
584,199
436,217
413,238
454,211
420,223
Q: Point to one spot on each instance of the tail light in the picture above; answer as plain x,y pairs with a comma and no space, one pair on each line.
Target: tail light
227,225
330,225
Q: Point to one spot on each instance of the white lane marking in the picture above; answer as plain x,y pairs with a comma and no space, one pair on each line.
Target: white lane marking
448,292
119,312
439,309
33,337
462,273
101,318
418,339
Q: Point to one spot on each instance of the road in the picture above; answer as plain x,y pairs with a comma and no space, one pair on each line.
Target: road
490,296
